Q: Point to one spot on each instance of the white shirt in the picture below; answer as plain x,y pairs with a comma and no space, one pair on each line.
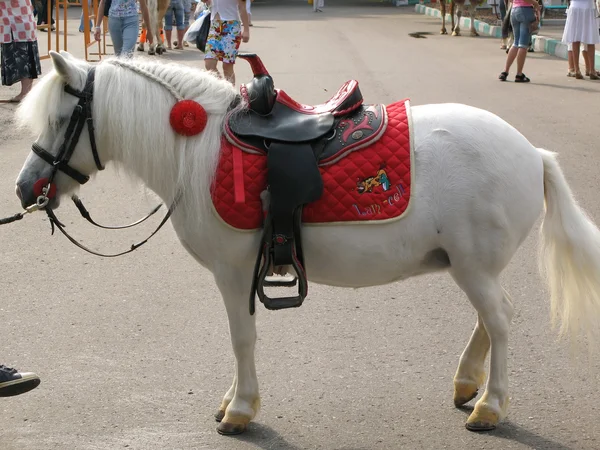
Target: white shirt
226,9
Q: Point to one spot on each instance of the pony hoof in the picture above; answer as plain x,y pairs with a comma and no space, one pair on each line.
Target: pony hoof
480,426
443,31
160,51
456,33
230,429
483,418
140,48
460,400
219,415
465,391
151,52
474,33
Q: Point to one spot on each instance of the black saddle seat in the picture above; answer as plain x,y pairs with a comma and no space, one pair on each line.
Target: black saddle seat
282,124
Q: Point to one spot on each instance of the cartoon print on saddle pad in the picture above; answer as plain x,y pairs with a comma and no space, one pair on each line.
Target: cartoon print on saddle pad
363,185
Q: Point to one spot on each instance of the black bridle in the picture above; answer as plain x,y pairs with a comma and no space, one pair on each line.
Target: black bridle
82,115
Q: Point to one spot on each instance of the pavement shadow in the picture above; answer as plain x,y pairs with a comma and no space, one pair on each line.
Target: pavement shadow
512,432
563,86
265,437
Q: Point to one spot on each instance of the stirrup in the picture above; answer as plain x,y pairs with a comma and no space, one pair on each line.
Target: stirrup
287,280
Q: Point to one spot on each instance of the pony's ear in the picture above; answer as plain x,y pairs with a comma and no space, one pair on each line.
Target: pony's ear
66,54
63,66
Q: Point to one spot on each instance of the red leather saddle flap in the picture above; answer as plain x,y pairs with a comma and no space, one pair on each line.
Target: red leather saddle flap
367,185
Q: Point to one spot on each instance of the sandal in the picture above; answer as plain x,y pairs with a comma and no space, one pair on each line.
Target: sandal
571,73
522,78
502,76
578,76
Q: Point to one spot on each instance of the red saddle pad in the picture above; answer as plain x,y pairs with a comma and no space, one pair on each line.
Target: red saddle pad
366,186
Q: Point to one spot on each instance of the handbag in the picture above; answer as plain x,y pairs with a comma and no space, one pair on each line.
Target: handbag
203,33
107,4
194,29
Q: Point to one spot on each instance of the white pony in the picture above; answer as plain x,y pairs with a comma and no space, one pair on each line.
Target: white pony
479,186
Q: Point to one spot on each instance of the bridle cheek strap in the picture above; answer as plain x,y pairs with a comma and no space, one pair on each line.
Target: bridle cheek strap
82,115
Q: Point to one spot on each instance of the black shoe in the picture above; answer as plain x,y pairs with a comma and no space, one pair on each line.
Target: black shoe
12,382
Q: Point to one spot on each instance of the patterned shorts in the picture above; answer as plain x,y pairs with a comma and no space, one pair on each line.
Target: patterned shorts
224,40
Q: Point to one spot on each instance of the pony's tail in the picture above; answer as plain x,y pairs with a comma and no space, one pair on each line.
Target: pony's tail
569,257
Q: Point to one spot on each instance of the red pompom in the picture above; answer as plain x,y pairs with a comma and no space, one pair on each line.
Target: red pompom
42,183
188,117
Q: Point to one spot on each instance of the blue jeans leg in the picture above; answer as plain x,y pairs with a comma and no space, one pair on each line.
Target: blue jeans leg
176,9
81,29
114,28
130,34
521,18
123,32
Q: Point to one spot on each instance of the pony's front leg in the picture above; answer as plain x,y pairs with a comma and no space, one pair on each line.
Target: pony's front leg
242,400
443,11
472,10
456,29
470,374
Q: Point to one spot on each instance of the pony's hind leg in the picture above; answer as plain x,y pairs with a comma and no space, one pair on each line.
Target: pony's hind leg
495,310
242,401
470,374
472,11
443,11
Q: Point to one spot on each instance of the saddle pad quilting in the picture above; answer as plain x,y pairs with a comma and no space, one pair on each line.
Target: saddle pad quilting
366,186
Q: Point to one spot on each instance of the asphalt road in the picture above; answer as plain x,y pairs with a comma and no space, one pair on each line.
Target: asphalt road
134,352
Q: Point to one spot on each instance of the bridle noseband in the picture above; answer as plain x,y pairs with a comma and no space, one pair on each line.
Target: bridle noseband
82,115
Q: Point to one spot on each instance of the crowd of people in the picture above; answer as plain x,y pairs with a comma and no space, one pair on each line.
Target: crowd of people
581,32
230,22
19,54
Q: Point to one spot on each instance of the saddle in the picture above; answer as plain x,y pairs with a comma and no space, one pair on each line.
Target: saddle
296,139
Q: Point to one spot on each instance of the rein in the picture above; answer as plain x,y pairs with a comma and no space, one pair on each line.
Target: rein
82,115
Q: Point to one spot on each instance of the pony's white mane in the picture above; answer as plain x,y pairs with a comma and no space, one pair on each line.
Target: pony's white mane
131,110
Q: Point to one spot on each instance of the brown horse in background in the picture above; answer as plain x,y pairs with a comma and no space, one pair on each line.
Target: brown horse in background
459,4
157,10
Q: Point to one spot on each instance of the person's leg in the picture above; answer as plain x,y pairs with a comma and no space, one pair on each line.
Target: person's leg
591,62
212,51
576,47
26,85
249,3
526,17
115,28
130,31
512,53
43,13
179,22
231,43
187,12
571,72
169,26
